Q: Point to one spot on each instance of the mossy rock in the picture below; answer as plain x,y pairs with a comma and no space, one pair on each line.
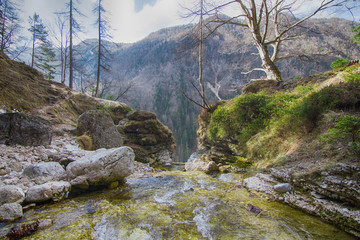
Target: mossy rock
141,115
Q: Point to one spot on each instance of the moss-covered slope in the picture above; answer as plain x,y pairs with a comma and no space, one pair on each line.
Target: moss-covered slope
313,118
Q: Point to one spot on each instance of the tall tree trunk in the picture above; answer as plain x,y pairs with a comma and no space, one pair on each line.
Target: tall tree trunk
271,70
201,43
99,54
71,47
33,46
2,47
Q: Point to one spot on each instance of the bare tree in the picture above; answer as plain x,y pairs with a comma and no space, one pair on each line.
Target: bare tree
270,22
103,26
61,35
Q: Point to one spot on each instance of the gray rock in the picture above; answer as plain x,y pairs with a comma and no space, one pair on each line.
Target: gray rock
10,211
101,168
282,188
19,128
203,164
53,170
11,194
55,191
100,127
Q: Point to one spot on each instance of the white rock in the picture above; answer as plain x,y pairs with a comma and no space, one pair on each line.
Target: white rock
55,191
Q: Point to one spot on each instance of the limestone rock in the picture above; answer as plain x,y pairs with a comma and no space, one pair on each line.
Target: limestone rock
101,168
152,141
10,211
11,194
55,191
45,171
19,128
99,126
282,188
202,163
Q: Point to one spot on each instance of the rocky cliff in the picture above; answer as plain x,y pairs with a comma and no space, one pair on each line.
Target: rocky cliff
305,133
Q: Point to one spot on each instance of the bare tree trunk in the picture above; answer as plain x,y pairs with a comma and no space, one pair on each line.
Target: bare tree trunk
99,53
71,47
271,70
201,43
33,47
2,47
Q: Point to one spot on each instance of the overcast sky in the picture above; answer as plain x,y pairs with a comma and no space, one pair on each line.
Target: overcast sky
131,20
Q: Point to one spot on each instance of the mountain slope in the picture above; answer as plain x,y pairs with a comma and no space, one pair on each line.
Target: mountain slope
166,61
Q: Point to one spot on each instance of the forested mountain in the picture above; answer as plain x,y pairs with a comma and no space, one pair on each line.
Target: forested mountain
157,69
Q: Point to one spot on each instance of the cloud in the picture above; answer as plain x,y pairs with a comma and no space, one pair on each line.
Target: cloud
132,26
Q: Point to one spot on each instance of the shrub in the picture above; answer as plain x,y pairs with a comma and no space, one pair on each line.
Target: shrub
347,130
242,117
341,62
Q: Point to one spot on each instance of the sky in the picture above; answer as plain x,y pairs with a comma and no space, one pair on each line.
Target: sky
130,20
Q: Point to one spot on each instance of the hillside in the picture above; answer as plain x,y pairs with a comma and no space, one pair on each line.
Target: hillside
164,62
305,132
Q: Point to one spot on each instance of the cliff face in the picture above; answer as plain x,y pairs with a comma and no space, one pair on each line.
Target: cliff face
304,132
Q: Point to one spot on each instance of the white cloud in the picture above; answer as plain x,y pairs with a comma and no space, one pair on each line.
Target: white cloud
131,26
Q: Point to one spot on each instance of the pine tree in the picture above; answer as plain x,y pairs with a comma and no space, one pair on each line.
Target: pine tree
39,34
46,59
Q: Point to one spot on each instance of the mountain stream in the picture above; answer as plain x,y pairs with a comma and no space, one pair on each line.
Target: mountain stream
176,205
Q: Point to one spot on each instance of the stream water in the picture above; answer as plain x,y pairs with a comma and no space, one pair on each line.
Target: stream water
177,205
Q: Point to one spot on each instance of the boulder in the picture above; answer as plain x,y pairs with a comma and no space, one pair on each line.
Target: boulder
45,171
101,168
55,191
10,211
201,163
11,194
99,126
152,141
282,188
19,128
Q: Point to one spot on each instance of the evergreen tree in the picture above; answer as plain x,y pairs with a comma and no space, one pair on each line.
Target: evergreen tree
356,37
9,24
39,34
46,59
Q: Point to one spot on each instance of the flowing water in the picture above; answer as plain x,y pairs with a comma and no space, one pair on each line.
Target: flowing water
177,205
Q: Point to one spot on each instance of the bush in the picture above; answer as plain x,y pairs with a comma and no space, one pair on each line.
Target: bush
242,117
346,130
341,62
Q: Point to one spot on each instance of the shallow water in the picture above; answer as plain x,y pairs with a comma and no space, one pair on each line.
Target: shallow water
177,205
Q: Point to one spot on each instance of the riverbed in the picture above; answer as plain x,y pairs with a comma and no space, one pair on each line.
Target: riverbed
176,205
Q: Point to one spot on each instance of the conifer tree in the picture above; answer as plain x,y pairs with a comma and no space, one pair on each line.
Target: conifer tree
39,34
9,24
46,59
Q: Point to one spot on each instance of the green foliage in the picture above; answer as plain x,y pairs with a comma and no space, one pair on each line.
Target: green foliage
352,77
356,37
341,62
110,97
244,117
347,130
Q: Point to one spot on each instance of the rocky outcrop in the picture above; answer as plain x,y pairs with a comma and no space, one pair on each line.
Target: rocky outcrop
19,128
152,141
100,127
101,168
330,194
